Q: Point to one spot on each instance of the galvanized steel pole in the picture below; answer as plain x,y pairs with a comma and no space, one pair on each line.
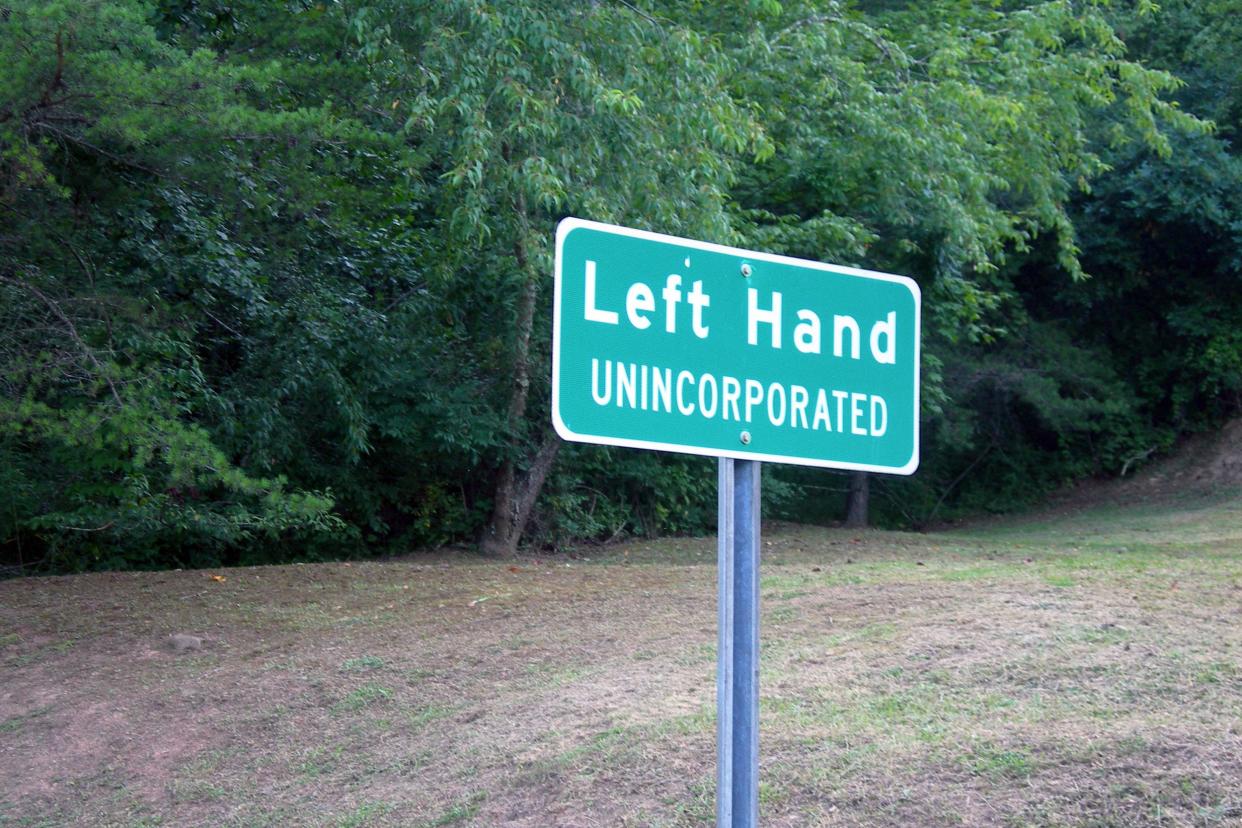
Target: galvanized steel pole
737,673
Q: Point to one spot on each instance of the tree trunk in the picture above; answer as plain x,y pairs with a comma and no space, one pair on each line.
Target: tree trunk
513,501
511,514
533,483
857,501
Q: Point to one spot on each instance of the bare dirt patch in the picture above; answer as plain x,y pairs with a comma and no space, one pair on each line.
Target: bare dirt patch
1201,470
1206,462
1080,671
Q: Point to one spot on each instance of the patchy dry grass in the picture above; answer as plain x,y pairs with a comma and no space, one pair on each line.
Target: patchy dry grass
1081,669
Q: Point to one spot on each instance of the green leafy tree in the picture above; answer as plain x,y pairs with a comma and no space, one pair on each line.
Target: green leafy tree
525,112
1165,237
117,268
274,276
948,141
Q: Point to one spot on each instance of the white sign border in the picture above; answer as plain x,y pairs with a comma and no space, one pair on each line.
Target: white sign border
567,225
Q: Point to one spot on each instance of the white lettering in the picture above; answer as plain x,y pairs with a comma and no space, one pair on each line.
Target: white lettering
662,389
646,387
704,382
821,412
754,395
841,324
754,315
878,430
888,330
594,314
639,298
840,397
776,390
856,413
684,407
797,405
806,333
626,377
732,391
671,296
601,399
699,300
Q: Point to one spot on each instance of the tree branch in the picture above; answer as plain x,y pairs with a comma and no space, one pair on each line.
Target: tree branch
82,142
639,12
55,308
59,74
936,509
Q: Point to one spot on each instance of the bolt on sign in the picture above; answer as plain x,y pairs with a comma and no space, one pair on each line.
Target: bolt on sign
679,345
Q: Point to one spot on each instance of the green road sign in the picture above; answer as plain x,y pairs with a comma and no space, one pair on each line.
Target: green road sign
678,345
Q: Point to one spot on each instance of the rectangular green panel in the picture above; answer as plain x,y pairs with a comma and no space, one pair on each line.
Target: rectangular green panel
679,345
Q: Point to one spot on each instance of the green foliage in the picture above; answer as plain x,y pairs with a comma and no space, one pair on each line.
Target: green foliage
109,270
137,474
1165,240
949,141
275,276
1167,249
605,493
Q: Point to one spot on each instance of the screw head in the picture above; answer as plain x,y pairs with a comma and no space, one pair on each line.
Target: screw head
745,438
746,270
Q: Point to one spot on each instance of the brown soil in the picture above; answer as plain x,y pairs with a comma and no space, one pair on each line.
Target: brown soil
979,679
1204,465
1205,462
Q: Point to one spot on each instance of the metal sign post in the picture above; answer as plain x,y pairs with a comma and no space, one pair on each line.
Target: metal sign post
680,345
737,670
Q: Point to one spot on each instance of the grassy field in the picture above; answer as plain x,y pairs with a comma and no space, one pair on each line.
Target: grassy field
1081,669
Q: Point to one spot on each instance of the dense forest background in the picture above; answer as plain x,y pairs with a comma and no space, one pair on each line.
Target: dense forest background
275,274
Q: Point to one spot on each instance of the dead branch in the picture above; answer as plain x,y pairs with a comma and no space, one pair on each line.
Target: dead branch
72,329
